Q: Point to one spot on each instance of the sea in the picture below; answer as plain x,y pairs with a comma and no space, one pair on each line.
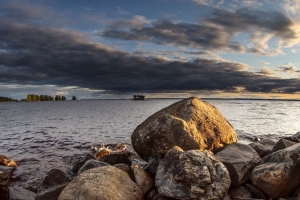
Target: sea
41,136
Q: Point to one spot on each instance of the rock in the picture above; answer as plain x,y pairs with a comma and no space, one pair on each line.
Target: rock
53,178
78,163
282,144
278,174
7,162
294,138
189,124
143,179
193,174
226,197
255,192
239,159
154,195
152,165
127,169
17,193
91,164
102,183
116,158
263,147
51,193
240,192
5,180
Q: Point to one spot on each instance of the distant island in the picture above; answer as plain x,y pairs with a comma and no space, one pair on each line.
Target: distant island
7,99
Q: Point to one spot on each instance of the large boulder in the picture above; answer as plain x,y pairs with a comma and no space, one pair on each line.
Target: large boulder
102,183
189,124
239,159
193,174
278,174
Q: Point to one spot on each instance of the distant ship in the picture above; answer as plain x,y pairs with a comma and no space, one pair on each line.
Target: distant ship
139,97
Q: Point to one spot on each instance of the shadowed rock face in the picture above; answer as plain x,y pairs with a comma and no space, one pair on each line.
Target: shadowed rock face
189,124
192,174
278,174
239,159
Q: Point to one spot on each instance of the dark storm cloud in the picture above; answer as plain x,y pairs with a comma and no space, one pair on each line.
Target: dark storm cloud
216,32
38,55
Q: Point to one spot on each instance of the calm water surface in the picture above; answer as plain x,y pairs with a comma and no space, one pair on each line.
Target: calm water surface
46,135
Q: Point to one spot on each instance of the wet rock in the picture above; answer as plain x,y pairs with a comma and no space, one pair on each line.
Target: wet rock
91,164
263,147
193,174
51,193
127,169
53,178
154,195
78,163
143,179
17,193
278,174
101,183
282,144
5,180
116,158
189,124
7,162
239,192
255,192
239,159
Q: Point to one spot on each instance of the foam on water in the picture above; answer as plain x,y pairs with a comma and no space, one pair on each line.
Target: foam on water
45,135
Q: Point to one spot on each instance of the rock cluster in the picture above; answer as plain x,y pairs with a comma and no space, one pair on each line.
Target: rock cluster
186,151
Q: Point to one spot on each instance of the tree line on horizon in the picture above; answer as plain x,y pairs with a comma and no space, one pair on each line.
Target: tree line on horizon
6,99
35,97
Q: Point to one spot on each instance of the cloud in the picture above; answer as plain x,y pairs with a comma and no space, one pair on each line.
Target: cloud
267,71
39,56
263,62
218,32
122,11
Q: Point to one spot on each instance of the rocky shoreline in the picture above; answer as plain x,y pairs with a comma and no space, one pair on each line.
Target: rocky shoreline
185,151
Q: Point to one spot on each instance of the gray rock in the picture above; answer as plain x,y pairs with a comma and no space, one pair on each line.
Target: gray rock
282,144
278,174
18,192
102,183
152,165
189,124
91,164
192,174
143,179
154,195
53,178
226,197
78,163
51,193
239,192
255,192
239,159
5,180
127,169
263,147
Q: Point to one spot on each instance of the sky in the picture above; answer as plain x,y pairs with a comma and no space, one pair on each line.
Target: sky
160,48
